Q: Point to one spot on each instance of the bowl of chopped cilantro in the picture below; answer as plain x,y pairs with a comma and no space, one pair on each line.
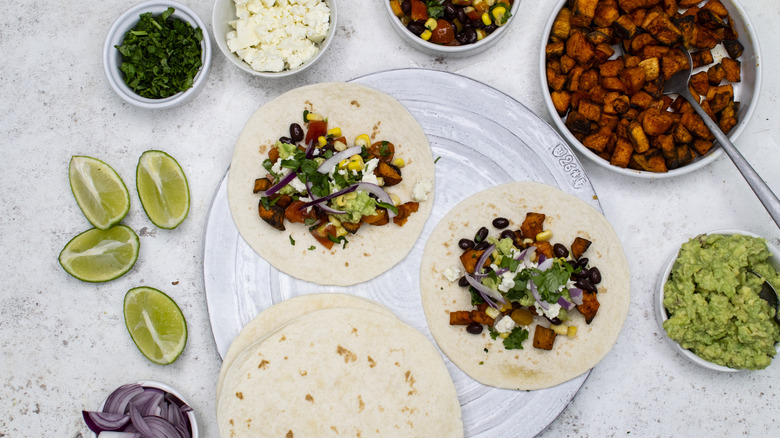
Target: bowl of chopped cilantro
157,55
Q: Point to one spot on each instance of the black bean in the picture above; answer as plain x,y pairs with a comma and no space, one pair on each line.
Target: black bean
583,273
477,24
560,250
482,245
287,140
500,222
450,11
490,28
556,320
469,35
583,262
507,234
465,244
296,132
416,27
474,328
595,275
462,282
481,235
585,284
406,7
462,17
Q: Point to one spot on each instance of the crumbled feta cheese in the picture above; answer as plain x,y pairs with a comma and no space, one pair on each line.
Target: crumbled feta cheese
507,281
282,34
277,167
452,273
504,325
421,190
551,312
298,185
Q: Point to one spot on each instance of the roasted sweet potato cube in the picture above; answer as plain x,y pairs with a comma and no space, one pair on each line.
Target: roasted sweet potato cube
734,48
577,124
352,227
656,122
389,173
694,123
567,63
460,317
624,27
481,317
622,153
642,100
637,137
603,52
639,42
701,146
579,246
532,225
728,117
606,14
665,143
716,74
705,38
573,78
652,161
669,7
638,16
701,58
544,248
589,307
732,68
651,67
683,156
469,259
273,215
597,141
705,105
631,5
681,135
719,97
700,82
555,80
687,3
582,12
671,65
544,338
616,103
589,110
589,79
656,51
562,25
555,50
596,94
608,122
379,218
404,211
632,61
262,184
579,48
716,7
611,68
597,37
561,100
633,78
662,29
613,84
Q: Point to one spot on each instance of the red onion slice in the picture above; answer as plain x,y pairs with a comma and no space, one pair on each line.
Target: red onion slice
101,421
162,429
139,421
320,201
118,400
545,264
535,292
331,162
576,295
483,258
115,434
565,304
486,293
278,186
379,192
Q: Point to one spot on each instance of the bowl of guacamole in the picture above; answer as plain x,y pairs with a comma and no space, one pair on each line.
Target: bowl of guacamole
707,301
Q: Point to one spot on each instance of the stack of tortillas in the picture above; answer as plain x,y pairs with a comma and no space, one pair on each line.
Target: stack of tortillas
334,365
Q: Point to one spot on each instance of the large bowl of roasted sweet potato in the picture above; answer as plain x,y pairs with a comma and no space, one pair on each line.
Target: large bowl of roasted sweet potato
603,64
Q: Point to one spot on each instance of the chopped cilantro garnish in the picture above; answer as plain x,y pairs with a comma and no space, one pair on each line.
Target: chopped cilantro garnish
292,241
384,149
515,339
437,159
312,248
341,239
435,8
385,205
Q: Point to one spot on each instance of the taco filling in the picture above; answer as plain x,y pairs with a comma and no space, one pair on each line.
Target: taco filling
521,276
316,177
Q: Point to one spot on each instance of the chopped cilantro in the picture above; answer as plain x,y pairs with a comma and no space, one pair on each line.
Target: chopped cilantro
341,239
435,8
384,149
292,241
437,159
387,206
493,332
515,339
312,248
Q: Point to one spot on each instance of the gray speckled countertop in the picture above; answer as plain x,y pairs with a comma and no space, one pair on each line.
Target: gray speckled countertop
63,344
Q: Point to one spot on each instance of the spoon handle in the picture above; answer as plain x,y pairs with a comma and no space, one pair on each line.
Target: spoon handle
764,193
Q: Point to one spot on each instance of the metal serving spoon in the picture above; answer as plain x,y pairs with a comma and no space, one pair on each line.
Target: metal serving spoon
769,294
678,84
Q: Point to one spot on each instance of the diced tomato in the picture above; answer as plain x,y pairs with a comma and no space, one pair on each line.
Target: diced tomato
419,10
444,32
294,212
317,129
321,234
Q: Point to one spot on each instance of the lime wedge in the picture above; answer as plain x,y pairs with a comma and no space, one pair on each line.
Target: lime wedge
100,255
162,188
99,191
156,324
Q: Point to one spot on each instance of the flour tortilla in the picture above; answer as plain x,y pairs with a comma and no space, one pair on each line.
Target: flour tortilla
340,371
486,360
272,318
357,110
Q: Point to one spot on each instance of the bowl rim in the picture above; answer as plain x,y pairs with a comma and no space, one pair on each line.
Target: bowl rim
220,38
425,46
751,38
115,36
660,310
167,388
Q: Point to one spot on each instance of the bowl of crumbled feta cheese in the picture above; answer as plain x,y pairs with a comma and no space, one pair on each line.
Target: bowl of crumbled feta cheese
273,38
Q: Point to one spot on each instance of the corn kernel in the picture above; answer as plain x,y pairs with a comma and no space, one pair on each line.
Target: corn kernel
572,331
343,164
355,163
398,162
322,141
333,220
504,307
396,200
380,181
503,335
431,24
341,231
350,196
363,140
559,329
527,241
340,201
499,13
314,117
426,35
486,19
334,132
481,34
544,236
491,312
339,146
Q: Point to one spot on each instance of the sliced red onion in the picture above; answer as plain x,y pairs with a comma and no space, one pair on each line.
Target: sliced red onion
481,262
118,400
576,295
535,292
310,150
486,293
278,186
379,192
149,401
544,264
321,201
139,421
565,304
115,434
101,421
331,162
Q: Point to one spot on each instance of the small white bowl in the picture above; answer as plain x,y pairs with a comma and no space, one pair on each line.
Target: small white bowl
448,51
225,11
745,92
167,388
660,310
112,59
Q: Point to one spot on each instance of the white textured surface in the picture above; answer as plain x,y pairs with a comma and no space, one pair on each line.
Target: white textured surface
63,344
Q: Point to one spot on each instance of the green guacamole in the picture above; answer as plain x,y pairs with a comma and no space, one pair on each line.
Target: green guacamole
713,304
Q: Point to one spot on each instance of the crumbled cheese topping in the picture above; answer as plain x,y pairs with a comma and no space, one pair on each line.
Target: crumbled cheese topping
275,35
452,273
421,190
